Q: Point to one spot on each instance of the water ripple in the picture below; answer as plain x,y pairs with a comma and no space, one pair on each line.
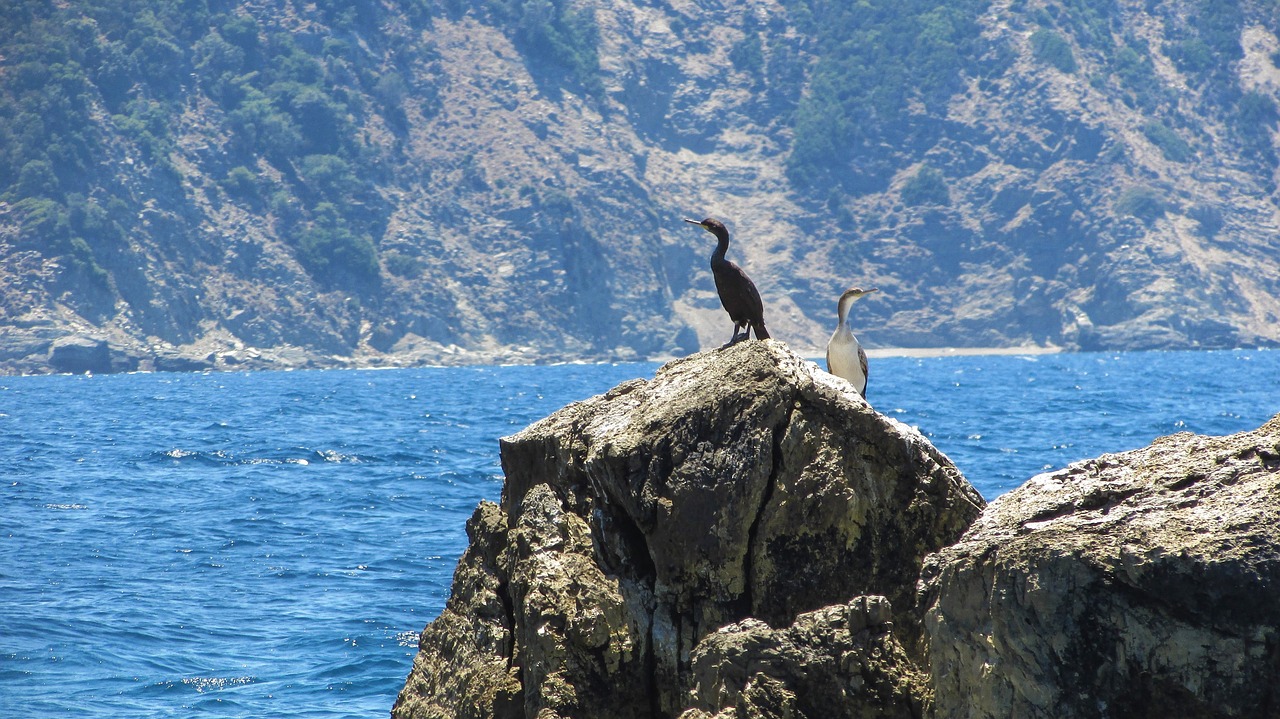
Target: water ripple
238,543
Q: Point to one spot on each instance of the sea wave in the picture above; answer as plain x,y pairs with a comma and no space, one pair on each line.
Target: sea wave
300,456
209,684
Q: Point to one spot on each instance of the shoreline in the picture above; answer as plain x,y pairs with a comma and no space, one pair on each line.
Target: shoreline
260,360
880,352
961,351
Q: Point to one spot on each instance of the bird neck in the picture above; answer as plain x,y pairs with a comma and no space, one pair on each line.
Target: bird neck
842,309
722,246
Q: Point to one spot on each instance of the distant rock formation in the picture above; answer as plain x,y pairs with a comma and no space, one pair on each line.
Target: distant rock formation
684,545
1142,584
744,537
77,355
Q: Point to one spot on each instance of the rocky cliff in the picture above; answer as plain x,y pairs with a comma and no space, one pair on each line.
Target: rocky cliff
743,536
274,184
679,545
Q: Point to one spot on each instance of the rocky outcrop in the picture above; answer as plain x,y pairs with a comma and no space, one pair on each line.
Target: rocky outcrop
1142,584
740,536
744,537
77,355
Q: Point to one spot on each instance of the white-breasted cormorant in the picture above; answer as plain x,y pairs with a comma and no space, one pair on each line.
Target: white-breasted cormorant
845,356
737,292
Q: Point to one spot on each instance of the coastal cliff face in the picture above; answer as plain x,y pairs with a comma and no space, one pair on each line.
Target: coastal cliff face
1142,584
676,546
192,185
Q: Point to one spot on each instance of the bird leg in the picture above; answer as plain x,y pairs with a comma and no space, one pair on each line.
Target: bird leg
736,336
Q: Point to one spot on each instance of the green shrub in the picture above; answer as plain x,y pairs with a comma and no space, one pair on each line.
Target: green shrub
214,56
874,59
552,31
1133,66
162,63
390,90
260,128
402,265
43,222
333,254
748,55
337,256
1172,146
1141,202
1210,220
320,119
82,259
36,179
329,176
241,183
242,31
926,187
1256,113
1193,55
1052,49
94,223
1208,45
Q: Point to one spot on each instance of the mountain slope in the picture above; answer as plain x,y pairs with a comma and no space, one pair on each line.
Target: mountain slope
269,184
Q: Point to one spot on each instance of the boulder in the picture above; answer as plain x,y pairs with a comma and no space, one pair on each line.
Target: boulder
78,354
742,493
838,662
178,362
1142,584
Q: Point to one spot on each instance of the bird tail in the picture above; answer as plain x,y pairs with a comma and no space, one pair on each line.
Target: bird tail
761,332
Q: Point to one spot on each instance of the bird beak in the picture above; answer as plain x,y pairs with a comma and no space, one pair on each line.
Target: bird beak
693,222
873,289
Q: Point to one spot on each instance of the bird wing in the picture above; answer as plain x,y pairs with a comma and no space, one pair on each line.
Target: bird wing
862,359
738,293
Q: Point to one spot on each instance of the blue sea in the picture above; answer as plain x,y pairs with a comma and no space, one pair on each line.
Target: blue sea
270,544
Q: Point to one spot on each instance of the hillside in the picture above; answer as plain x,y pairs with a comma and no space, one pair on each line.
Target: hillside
195,183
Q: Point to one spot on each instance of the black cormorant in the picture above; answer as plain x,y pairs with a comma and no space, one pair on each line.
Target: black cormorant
845,356
738,293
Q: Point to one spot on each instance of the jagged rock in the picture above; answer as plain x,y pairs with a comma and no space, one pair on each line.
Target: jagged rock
837,662
738,484
126,359
1142,584
741,538
463,668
